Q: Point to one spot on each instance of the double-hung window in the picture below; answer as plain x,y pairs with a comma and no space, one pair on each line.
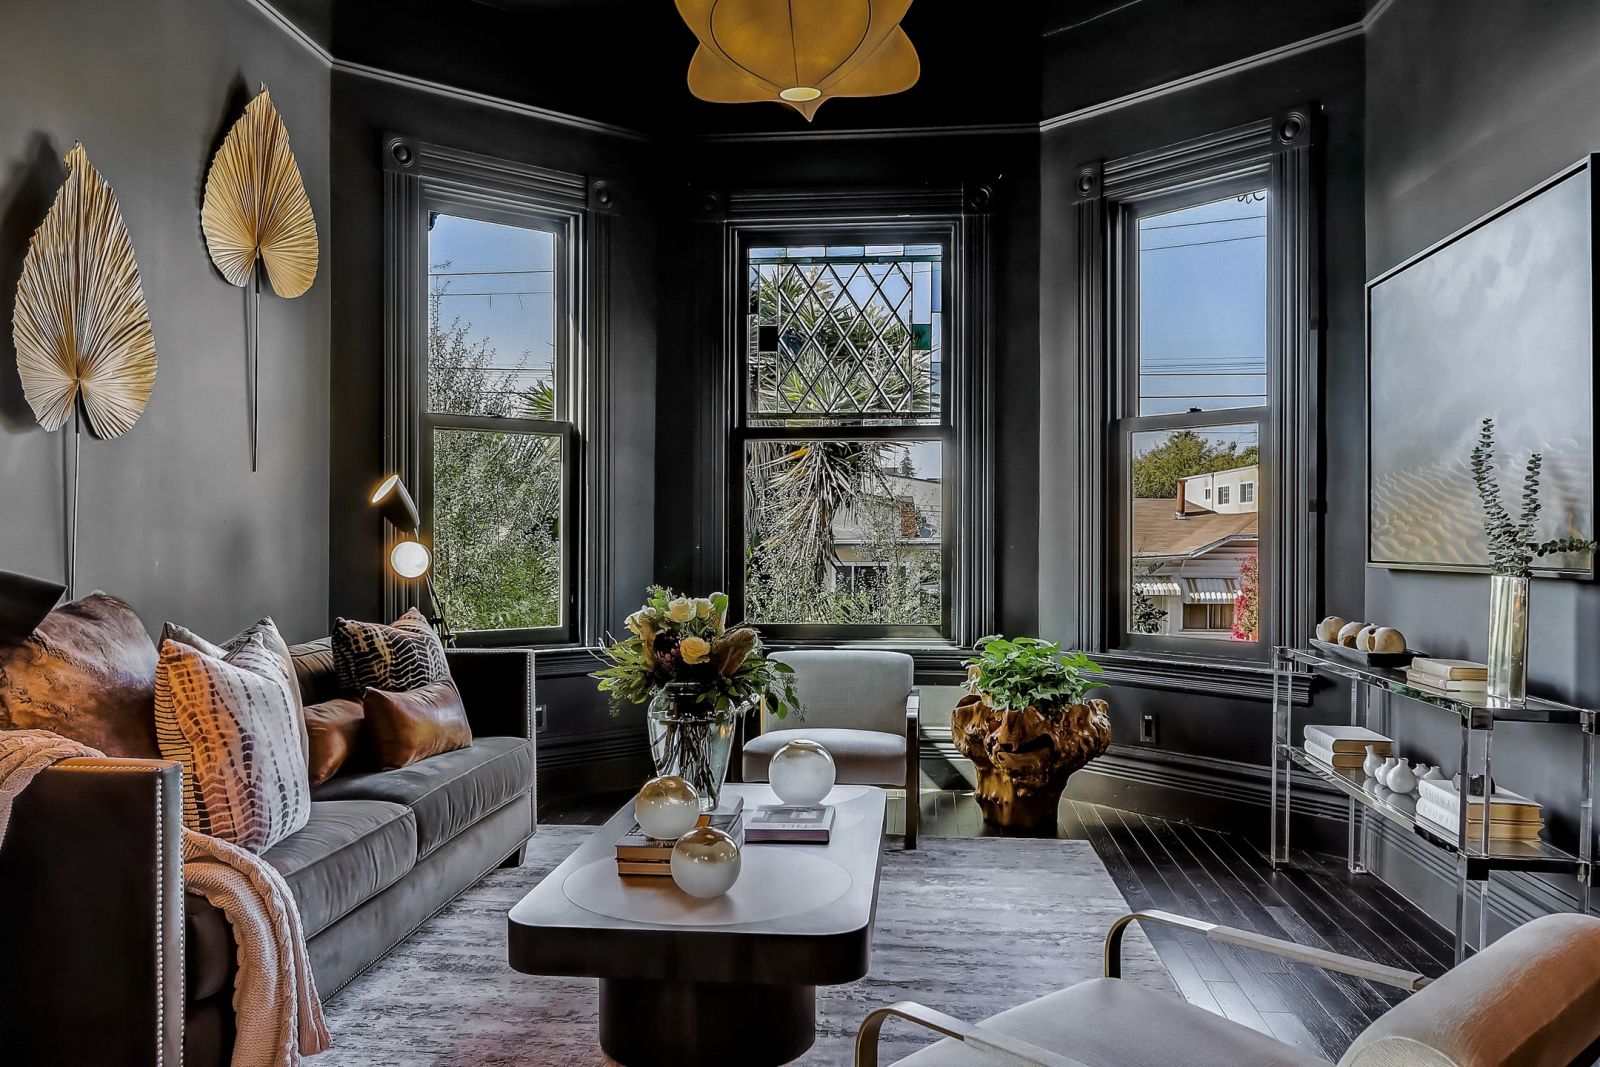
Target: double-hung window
497,429
843,439
1200,323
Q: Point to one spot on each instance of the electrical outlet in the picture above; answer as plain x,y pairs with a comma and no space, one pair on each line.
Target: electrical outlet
1147,729
541,717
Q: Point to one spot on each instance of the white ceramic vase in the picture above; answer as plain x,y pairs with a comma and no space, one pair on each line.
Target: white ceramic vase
1402,779
1373,763
802,772
705,862
1388,766
666,807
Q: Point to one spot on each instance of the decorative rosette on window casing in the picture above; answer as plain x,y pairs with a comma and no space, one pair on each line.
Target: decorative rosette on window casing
798,54
81,327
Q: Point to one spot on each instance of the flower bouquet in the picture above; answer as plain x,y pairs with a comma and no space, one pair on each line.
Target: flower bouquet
697,676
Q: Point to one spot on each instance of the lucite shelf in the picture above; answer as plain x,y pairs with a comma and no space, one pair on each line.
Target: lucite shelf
1401,809
1477,715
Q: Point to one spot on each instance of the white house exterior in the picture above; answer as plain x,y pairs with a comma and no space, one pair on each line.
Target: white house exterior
918,530
1229,492
1187,551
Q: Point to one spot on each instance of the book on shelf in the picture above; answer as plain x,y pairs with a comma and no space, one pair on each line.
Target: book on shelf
1441,821
790,824
1452,686
1346,739
1451,670
1504,806
1331,758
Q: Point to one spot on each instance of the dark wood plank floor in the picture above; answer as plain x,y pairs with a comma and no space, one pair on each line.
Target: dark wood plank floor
1226,879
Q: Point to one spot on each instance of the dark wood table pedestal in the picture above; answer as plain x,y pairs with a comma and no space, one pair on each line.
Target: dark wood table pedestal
705,1024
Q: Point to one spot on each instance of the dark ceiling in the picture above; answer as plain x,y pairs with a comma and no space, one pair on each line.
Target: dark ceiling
624,61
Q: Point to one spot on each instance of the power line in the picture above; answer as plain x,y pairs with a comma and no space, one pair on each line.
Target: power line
1197,244
1206,222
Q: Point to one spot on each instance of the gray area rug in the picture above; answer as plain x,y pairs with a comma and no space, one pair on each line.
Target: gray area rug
968,926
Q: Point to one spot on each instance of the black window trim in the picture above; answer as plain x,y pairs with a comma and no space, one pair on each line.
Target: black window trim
1283,149
422,178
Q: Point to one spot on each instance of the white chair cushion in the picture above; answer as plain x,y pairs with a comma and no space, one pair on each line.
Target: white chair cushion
860,757
1111,1023
864,689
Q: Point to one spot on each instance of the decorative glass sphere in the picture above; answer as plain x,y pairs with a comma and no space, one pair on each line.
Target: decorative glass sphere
802,772
705,862
666,808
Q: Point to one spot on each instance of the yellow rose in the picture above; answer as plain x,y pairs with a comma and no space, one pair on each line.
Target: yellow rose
681,610
702,608
694,650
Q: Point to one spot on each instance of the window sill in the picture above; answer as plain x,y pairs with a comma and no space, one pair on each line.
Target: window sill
1188,674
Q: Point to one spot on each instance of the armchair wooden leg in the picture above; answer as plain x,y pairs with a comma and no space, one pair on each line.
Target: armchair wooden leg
913,814
913,771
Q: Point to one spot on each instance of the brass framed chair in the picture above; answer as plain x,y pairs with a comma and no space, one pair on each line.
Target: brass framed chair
1531,999
861,705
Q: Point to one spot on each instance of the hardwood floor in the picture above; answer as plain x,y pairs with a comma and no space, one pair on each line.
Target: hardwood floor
1226,879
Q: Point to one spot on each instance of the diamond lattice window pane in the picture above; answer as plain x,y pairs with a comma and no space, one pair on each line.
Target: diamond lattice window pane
845,332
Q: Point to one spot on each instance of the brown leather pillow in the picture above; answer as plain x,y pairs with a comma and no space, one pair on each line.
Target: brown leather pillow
335,729
89,673
406,727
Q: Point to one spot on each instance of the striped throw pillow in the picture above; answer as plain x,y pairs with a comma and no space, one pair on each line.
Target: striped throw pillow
397,658
246,774
170,737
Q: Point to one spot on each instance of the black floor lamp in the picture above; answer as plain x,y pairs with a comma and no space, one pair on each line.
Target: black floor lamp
410,558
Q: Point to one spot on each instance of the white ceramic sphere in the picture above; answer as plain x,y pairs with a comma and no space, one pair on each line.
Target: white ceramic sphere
802,772
705,862
666,807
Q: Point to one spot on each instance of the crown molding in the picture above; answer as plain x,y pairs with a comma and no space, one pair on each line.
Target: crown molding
1204,77
296,34
876,134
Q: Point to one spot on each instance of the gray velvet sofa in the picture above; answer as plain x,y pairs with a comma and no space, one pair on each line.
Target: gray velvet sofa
105,959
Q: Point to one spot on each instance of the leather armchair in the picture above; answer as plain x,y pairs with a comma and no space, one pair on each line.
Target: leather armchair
1533,997
862,707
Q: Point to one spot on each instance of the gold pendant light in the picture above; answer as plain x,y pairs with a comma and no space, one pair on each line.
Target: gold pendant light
799,53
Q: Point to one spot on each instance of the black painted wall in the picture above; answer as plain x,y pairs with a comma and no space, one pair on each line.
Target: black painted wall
172,518
1469,104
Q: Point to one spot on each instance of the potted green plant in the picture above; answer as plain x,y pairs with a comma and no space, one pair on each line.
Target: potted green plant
1512,550
697,676
1027,723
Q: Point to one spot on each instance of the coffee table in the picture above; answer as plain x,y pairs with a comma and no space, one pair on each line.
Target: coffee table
696,983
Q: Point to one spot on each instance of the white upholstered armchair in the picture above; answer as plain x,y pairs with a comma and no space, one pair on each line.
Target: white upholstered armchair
862,707
1531,999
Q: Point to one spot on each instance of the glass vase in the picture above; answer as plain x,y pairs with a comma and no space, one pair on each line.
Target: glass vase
691,739
1508,637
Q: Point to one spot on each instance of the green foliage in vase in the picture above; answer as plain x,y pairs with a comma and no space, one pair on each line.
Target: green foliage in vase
1021,671
686,639
1512,548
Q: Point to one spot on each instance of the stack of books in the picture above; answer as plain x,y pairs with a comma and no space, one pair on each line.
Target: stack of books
1511,816
1344,746
648,856
1451,677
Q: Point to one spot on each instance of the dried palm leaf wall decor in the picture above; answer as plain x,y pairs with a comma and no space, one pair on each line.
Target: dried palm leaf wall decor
256,214
81,329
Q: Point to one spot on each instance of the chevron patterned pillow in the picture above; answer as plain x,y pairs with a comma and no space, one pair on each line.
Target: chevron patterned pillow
245,780
397,658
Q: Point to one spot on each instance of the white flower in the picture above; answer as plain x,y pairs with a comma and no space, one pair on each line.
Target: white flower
702,608
694,650
680,610
637,620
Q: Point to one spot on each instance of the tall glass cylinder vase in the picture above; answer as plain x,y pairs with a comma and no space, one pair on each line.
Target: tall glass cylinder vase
1508,637
691,739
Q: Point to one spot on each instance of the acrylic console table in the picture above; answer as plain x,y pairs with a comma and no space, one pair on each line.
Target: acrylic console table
1477,855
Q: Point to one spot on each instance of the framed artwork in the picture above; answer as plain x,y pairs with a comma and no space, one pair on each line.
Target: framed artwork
1497,320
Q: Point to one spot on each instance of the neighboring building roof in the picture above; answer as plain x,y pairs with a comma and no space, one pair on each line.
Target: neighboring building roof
1158,532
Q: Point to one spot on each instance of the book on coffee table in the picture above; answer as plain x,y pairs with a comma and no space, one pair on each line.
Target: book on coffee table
789,824
635,847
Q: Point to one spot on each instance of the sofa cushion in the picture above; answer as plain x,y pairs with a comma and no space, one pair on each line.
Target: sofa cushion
348,852
87,672
404,655
315,670
448,792
406,727
335,729
208,953
860,757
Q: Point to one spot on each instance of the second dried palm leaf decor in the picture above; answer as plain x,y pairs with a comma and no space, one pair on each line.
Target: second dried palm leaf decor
256,215
81,329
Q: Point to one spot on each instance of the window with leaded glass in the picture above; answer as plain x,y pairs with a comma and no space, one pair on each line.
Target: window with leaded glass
843,432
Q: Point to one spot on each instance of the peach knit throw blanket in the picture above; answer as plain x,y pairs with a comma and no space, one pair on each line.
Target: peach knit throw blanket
279,1017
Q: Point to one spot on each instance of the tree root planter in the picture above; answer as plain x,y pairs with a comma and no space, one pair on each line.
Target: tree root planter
1024,757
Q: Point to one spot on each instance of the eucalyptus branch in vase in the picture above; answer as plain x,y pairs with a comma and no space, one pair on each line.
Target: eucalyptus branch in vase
1512,548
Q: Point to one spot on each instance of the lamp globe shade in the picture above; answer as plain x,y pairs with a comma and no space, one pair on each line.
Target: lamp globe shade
410,559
